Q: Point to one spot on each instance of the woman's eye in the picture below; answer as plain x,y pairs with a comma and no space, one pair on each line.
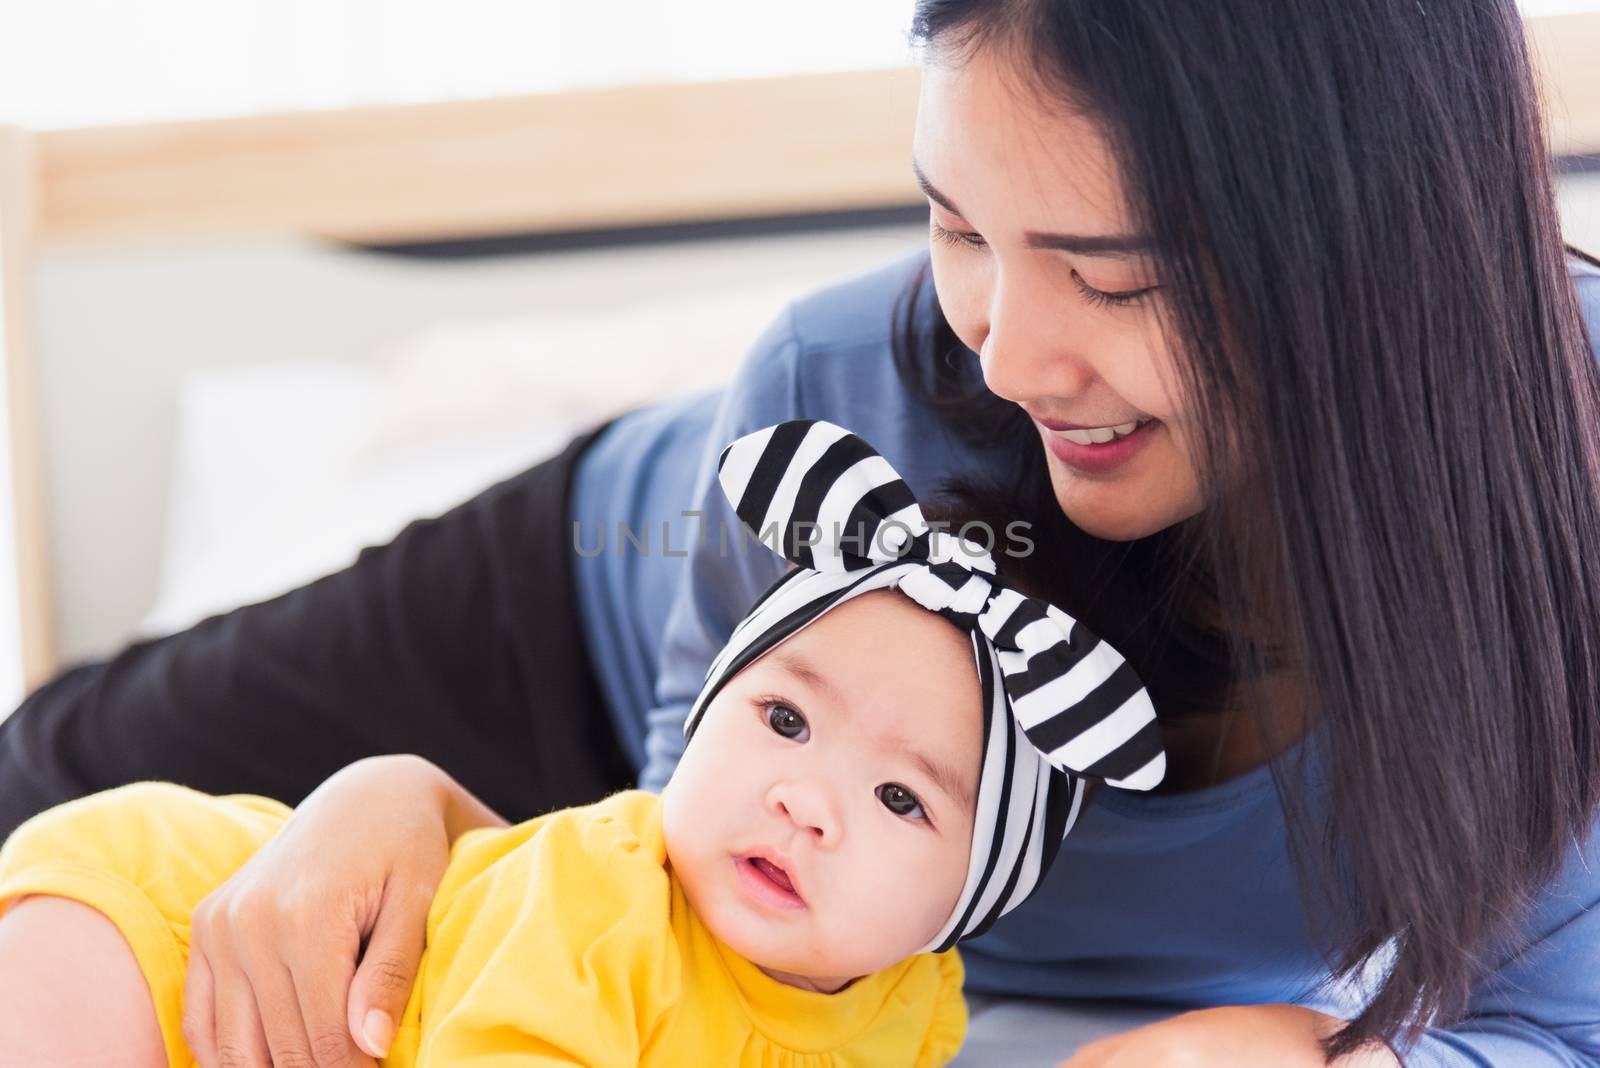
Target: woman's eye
957,238
1111,300
787,722
900,801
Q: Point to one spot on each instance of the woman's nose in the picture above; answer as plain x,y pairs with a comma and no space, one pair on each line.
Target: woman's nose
809,808
1029,353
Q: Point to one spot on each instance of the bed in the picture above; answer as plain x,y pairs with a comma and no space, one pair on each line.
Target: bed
235,350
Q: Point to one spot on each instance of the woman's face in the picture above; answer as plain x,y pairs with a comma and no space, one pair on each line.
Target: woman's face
1040,272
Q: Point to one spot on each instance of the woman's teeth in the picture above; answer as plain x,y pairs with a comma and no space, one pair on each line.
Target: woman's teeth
1101,434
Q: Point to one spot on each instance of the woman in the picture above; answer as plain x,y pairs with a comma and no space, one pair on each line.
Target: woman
1301,263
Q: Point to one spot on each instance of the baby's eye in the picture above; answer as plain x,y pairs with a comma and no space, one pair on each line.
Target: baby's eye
787,722
900,801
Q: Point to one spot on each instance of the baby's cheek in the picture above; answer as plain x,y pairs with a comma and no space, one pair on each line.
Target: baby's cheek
688,835
873,939
941,879
916,895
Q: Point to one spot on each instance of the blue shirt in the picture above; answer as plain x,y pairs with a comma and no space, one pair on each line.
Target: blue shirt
1186,899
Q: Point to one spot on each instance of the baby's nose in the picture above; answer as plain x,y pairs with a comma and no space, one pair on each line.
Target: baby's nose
799,819
810,810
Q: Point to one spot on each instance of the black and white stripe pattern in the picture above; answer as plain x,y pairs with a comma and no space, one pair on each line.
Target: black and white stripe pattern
1060,706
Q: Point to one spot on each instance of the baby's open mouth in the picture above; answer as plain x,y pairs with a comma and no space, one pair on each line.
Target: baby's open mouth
773,872
769,883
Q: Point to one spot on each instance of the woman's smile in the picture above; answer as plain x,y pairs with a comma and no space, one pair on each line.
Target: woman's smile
1108,449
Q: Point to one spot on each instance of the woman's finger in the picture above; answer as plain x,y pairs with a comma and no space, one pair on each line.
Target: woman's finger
241,1041
322,984
199,1010
388,968
288,1041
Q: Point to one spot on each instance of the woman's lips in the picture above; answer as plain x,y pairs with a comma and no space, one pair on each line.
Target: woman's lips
1095,459
768,883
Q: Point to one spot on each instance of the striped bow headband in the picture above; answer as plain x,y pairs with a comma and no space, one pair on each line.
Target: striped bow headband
1061,707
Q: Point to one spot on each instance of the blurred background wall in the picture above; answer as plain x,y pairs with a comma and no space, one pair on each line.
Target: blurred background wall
92,62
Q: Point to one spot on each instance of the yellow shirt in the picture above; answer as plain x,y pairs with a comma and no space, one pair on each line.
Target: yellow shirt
563,940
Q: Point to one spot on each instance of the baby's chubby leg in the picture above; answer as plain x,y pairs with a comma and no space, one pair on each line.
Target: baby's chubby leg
71,992
99,896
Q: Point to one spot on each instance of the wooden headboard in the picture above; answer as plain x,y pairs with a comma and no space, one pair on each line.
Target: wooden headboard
589,160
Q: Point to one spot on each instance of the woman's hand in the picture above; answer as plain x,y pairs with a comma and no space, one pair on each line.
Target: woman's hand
273,965
1234,1036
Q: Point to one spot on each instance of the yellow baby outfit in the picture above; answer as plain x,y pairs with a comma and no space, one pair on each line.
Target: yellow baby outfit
560,941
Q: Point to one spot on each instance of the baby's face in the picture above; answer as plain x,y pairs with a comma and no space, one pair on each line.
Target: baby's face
821,818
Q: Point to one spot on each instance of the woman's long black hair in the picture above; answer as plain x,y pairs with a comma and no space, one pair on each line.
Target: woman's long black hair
1363,270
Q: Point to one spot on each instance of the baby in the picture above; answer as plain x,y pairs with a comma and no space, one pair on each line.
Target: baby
883,760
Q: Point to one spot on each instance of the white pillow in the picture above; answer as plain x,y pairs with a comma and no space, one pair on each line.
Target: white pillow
282,473
464,377
280,477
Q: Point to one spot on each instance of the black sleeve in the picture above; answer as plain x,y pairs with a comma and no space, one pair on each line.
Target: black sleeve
459,641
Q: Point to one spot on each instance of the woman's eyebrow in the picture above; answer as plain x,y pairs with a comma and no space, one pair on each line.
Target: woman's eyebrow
932,193
1120,246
